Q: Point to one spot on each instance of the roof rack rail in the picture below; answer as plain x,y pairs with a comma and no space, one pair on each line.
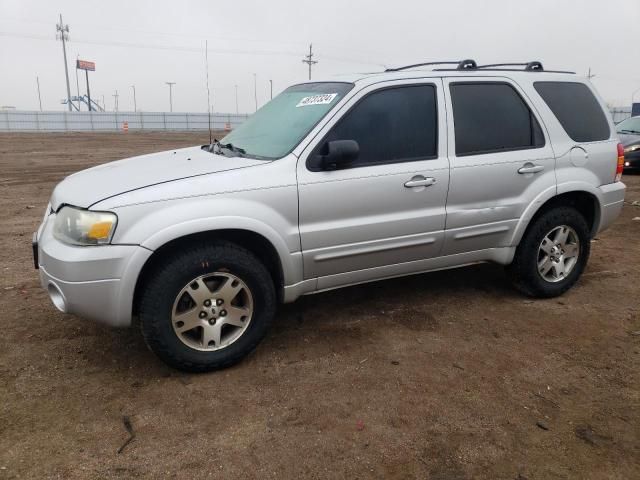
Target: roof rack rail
460,65
534,66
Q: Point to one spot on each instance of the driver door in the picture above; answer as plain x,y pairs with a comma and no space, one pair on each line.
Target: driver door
383,213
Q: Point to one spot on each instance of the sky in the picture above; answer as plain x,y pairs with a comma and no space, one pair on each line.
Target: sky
147,43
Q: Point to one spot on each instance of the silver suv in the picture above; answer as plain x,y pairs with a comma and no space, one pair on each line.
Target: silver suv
331,184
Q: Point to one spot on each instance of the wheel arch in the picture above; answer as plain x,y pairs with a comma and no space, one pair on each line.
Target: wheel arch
585,200
256,243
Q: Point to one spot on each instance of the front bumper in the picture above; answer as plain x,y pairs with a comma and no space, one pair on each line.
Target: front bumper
94,282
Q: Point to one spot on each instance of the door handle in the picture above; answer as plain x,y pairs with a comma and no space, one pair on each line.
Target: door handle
420,181
531,168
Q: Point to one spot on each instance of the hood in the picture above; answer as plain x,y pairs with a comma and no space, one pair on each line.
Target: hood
90,186
628,138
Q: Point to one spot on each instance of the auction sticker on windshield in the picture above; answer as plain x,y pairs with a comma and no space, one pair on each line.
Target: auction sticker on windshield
323,99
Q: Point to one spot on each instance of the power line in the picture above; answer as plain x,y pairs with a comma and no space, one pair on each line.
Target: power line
179,48
64,36
308,59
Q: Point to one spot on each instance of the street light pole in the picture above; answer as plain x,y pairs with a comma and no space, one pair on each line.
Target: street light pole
39,97
236,99
171,84
271,86
255,90
135,106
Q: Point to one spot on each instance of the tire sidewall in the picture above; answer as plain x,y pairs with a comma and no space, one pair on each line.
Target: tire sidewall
162,290
542,226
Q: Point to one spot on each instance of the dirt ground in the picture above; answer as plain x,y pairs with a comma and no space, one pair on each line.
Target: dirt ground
449,375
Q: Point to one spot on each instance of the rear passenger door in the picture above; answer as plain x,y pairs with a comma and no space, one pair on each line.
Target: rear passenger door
501,160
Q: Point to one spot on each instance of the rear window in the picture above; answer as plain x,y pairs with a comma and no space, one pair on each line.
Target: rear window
576,109
492,117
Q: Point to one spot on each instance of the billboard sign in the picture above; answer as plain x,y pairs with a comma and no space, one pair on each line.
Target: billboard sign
85,65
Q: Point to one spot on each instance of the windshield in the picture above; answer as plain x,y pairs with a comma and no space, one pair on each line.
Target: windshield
277,128
630,125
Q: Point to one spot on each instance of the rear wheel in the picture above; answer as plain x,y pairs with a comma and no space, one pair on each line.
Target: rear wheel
207,307
552,254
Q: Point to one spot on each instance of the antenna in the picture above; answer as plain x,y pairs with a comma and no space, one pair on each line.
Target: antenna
206,59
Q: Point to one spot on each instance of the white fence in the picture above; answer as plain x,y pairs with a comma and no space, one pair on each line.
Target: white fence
33,121
30,121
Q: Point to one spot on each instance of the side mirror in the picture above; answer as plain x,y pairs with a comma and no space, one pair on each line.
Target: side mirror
339,153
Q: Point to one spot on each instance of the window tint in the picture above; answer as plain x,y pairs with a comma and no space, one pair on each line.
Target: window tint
492,117
392,125
576,109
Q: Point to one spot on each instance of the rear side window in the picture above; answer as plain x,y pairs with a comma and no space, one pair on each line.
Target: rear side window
576,109
392,125
492,117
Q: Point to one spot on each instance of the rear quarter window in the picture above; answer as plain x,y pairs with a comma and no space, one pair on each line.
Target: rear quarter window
577,110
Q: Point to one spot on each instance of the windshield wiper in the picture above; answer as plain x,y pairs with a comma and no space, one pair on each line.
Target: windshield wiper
231,147
223,146
624,130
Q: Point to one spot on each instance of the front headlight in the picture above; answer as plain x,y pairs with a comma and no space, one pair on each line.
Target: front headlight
84,227
631,148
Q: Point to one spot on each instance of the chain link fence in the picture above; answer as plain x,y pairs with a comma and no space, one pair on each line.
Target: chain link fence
34,121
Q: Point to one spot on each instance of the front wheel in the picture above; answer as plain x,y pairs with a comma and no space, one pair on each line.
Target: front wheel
207,307
552,254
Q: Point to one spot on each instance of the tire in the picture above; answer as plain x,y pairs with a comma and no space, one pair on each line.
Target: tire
530,260
175,289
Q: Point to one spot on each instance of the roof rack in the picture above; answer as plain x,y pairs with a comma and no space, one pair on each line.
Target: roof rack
534,66
469,64
460,65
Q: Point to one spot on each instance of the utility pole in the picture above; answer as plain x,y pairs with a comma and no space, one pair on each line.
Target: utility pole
308,59
86,72
39,97
115,104
171,84
64,36
237,99
77,82
104,105
590,75
255,90
135,105
271,85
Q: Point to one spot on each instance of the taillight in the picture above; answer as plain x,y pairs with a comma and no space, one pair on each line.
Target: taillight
620,165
